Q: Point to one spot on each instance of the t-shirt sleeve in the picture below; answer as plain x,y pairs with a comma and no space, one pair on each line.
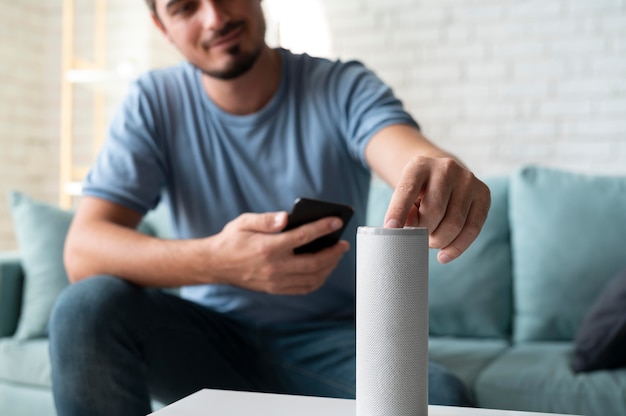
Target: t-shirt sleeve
130,169
367,105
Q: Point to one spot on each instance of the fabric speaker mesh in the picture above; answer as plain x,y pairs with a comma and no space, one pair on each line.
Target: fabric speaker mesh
392,322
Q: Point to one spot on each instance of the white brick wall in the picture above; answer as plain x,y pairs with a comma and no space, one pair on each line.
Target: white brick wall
27,155
501,83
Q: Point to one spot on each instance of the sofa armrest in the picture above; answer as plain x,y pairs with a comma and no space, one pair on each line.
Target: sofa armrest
11,283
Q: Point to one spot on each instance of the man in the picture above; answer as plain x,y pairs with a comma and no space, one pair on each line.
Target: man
228,140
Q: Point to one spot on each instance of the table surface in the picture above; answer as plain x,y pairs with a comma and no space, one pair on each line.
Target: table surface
225,402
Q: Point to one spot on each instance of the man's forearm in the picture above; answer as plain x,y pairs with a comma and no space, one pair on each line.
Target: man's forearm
391,149
102,240
107,248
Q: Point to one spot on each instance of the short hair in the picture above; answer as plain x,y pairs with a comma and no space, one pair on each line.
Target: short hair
152,5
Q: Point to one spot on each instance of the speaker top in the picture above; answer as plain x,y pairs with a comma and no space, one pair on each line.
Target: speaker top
392,231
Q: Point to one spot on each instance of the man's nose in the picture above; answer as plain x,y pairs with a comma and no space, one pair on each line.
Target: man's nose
213,14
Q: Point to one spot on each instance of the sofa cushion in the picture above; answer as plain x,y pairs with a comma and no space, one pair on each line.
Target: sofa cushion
40,229
538,377
471,296
465,357
25,362
601,339
19,400
568,234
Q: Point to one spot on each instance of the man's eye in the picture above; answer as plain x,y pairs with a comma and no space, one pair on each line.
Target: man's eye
184,9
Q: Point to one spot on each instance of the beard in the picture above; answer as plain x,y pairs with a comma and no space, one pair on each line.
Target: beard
242,62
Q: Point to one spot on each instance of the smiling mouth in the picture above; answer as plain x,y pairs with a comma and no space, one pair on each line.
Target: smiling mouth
225,36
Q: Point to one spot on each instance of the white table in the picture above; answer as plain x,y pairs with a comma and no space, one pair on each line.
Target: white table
233,403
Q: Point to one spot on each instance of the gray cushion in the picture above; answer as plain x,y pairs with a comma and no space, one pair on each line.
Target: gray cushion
568,236
11,284
470,296
601,339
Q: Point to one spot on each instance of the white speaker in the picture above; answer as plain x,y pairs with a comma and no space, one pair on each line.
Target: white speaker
392,321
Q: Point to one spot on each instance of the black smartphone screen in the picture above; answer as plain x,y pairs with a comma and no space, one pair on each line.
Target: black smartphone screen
306,210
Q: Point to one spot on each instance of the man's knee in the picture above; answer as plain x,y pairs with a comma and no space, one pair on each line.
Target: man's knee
88,305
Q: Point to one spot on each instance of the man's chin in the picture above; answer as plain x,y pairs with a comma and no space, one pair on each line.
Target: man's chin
227,74
238,66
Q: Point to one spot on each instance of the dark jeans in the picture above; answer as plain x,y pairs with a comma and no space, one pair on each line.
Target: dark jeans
114,345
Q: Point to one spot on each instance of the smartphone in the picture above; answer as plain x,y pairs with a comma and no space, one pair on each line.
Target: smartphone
306,210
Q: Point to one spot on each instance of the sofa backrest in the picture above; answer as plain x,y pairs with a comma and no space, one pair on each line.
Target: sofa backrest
568,234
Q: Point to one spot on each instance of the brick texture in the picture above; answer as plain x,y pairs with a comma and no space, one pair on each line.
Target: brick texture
27,151
501,83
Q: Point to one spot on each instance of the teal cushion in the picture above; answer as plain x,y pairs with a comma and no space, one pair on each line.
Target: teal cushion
537,377
568,236
466,358
471,296
27,363
40,230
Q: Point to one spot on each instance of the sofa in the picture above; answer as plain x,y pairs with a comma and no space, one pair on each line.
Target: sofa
509,317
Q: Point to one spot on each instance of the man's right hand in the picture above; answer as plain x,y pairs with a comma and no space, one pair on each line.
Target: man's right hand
252,253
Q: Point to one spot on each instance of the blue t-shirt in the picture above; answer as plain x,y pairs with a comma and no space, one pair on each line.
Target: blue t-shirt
170,142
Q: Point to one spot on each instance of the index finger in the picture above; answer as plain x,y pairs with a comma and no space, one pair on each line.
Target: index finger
407,192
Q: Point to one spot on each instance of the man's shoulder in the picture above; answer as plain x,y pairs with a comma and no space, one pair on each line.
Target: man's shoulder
324,72
304,60
160,78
